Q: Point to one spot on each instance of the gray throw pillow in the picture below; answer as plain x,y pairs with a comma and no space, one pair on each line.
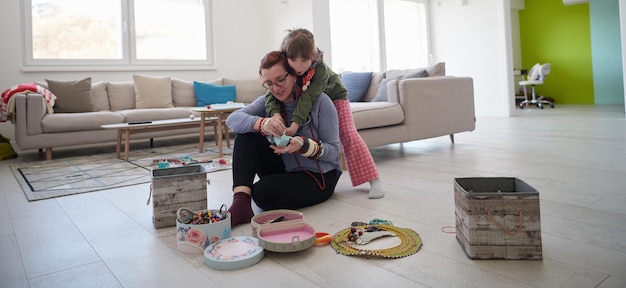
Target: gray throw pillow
418,74
381,94
72,96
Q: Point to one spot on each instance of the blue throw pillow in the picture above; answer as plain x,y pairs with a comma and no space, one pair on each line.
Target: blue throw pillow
357,84
207,94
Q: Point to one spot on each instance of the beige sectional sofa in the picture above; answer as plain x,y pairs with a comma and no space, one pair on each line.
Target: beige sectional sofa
416,108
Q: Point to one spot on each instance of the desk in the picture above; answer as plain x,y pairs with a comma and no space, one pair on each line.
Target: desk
519,75
221,112
125,130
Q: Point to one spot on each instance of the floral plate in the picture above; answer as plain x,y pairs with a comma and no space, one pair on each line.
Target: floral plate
233,253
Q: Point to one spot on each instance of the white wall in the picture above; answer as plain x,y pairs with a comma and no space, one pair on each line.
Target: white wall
244,31
473,37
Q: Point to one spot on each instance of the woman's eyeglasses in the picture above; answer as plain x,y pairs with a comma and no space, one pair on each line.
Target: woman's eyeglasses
280,82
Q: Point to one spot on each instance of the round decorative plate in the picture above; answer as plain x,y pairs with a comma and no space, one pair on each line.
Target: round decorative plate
405,242
233,253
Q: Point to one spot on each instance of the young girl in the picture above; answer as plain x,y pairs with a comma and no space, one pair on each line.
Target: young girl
315,77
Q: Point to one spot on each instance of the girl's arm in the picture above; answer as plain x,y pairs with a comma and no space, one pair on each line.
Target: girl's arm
271,104
308,97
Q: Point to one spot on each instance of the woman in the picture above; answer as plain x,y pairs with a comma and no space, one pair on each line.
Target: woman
302,173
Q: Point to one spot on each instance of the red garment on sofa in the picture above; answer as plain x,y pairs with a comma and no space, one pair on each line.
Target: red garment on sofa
7,105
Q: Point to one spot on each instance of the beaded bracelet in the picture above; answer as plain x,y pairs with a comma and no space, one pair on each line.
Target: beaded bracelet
260,128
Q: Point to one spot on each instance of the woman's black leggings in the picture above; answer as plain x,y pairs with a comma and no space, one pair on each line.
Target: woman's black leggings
276,188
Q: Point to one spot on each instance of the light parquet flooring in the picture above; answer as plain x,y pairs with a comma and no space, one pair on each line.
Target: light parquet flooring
575,156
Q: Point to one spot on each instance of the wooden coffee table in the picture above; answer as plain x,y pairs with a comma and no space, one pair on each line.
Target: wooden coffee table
219,112
124,130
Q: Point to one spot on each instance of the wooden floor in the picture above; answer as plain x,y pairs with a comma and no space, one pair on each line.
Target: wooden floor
575,156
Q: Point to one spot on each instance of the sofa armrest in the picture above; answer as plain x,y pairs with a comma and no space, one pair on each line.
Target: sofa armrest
29,111
435,106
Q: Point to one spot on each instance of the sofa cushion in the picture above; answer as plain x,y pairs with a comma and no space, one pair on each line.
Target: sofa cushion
100,96
438,69
207,94
183,94
151,114
69,122
377,77
247,90
121,95
376,114
357,84
381,94
153,92
72,96
417,74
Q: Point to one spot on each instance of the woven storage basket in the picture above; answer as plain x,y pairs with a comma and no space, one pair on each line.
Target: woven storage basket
497,218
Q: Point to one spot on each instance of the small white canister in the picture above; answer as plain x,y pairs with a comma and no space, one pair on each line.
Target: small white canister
197,230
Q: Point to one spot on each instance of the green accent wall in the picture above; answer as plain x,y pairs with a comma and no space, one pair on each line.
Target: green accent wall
560,35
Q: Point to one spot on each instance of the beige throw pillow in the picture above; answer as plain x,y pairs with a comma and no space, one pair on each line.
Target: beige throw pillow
153,92
72,96
121,95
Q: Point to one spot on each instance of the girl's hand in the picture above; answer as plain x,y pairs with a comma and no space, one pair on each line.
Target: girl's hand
293,129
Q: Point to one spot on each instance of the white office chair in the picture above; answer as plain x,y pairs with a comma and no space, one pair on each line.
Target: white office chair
536,76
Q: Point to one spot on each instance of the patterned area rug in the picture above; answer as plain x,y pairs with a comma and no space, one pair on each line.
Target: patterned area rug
73,175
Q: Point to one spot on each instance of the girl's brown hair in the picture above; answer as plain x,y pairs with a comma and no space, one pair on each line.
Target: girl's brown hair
299,43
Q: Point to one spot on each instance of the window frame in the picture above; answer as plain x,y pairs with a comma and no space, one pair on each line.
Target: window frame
129,61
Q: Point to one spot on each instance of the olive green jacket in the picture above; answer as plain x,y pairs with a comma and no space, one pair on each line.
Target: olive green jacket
324,80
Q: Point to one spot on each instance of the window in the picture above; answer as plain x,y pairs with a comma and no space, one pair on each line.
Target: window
117,33
379,35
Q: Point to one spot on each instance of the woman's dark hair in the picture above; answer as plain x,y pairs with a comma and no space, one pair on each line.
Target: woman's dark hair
299,43
272,58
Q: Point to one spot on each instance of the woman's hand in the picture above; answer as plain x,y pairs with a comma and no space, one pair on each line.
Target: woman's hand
295,144
274,125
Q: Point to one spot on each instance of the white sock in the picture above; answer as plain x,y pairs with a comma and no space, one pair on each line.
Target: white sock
376,189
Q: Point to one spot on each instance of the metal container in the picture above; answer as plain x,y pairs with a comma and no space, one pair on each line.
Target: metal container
173,188
497,218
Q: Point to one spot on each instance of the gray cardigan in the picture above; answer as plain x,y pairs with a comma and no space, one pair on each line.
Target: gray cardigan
323,124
